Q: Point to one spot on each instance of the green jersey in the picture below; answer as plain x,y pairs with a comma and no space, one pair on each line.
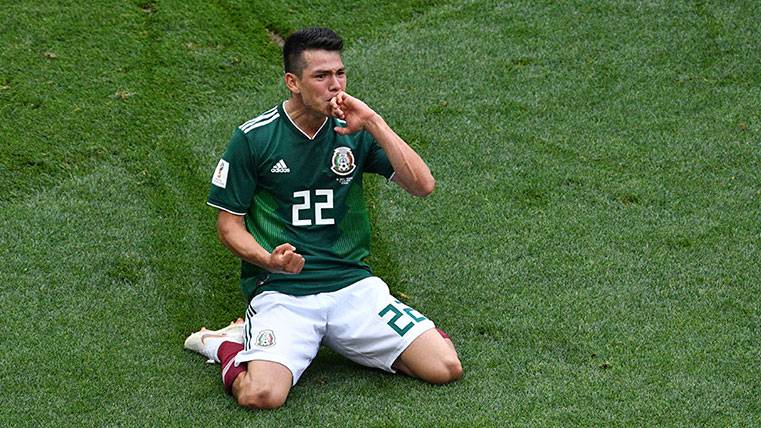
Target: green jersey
307,192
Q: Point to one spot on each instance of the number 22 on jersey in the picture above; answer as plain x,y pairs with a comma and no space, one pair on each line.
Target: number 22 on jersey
323,200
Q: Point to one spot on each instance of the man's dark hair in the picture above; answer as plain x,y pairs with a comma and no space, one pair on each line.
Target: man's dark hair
308,39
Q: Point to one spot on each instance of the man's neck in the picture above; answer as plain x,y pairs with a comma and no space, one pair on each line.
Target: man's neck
307,121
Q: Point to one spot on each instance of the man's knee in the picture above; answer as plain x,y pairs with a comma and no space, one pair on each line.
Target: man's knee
430,358
257,392
448,369
260,398
454,367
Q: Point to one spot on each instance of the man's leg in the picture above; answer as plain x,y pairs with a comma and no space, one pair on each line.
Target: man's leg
263,385
380,331
265,356
255,384
430,357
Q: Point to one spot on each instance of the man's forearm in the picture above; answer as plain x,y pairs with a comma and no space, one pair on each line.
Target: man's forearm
233,234
411,172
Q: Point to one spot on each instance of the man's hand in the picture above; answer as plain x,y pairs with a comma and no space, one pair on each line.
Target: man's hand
410,171
352,110
285,259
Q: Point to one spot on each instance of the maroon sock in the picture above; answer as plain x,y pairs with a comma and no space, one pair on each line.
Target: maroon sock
226,353
443,334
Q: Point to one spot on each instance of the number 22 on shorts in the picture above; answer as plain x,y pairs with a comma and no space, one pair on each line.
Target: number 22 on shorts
399,310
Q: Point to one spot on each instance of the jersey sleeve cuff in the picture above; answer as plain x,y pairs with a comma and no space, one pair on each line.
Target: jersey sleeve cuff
231,211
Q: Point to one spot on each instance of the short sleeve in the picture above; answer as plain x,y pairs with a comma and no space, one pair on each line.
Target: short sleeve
234,181
377,161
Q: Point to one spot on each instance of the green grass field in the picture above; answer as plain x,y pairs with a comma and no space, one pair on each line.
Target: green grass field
593,244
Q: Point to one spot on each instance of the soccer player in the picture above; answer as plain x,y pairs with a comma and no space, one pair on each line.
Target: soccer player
289,193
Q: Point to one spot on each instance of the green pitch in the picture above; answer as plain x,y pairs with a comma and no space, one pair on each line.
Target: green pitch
592,245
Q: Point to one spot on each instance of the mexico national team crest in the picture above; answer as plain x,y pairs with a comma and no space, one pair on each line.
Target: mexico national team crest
265,339
342,162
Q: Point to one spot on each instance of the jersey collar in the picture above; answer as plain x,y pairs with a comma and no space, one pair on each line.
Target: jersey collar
317,136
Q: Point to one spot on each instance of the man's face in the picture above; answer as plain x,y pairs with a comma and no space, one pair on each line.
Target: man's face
322,78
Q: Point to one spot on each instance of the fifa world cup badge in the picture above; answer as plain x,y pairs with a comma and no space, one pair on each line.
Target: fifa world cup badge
342,162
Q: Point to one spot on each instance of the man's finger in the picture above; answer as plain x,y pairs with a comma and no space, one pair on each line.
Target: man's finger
293,262
282,248
297,265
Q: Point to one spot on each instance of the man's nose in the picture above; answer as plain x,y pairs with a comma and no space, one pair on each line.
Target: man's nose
334,82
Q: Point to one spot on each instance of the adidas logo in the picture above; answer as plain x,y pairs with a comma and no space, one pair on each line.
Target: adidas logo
280,167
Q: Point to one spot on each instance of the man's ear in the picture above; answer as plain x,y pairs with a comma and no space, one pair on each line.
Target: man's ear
292,82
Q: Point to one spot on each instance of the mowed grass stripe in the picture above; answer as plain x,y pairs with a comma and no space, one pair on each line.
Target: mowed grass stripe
78,289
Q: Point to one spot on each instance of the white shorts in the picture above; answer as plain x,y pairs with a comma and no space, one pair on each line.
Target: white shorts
362,322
